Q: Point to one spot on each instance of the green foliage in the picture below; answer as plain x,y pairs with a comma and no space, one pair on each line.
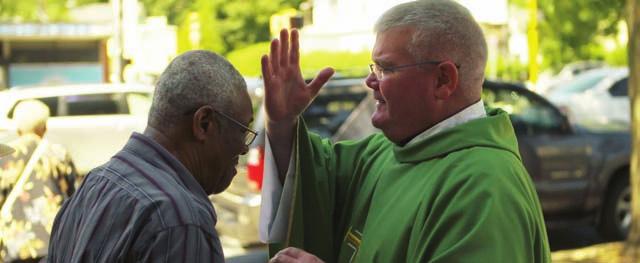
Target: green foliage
33,11
174,10
346,64
198,29
569,30
247,61
519,3
39,11
617,57
229,24
511,70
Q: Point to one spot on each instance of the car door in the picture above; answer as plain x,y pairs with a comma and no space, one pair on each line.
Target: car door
556,158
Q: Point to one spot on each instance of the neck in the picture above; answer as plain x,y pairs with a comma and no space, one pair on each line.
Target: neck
184,151
175,146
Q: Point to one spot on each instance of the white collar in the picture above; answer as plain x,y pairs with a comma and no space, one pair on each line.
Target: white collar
472,112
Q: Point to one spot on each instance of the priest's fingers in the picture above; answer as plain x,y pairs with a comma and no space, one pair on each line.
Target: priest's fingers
320,79
294,55
266,69
275,56
284,48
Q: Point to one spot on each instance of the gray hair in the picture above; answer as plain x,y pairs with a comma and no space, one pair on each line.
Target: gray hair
444,29
30,115
191,80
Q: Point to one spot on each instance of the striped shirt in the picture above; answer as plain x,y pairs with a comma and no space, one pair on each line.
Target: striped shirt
141,206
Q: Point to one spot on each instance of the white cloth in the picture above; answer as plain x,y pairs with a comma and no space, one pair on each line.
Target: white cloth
276,200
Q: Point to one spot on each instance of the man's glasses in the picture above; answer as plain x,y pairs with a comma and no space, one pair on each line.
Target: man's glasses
250,134
380,71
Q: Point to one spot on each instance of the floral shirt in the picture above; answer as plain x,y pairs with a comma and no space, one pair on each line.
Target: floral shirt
30,200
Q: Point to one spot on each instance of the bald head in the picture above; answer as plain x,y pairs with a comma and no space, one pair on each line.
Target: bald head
444,30
31,116
191,80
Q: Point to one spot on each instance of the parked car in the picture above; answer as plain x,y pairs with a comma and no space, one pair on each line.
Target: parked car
580,175
579,84
93,121
597,98
567,74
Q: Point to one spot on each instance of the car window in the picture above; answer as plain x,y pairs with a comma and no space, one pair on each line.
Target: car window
95,104
581,83
51,102
620,88
332,107
528,114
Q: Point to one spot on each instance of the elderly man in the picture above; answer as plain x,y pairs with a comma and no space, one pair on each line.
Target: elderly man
150,203
443,183
34,181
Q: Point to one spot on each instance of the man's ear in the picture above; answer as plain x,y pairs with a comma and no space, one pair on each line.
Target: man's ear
202,123
447,80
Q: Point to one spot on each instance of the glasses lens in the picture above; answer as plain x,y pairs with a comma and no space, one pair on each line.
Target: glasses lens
248,139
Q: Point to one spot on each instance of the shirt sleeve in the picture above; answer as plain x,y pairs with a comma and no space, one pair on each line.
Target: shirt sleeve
187,243
276,199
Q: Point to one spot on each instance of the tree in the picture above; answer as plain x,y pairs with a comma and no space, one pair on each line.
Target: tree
39,11
570,30
238,23
33,11
632,248
199,29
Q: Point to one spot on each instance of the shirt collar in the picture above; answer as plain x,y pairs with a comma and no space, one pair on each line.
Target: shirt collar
471,112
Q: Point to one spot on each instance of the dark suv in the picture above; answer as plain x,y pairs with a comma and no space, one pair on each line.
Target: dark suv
580,174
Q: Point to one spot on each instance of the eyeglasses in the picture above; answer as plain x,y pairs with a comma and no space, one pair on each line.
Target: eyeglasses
380,71
250,134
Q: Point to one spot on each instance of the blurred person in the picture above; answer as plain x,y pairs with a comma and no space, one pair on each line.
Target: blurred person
34,181
150,203
444,182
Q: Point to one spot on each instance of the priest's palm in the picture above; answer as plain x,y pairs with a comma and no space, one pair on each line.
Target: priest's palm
287,94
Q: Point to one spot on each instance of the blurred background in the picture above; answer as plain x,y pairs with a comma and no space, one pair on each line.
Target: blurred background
94,63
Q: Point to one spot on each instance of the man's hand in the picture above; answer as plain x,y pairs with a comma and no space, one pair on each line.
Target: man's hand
294,255
286,93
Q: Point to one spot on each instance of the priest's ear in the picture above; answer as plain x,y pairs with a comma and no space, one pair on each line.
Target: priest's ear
447,80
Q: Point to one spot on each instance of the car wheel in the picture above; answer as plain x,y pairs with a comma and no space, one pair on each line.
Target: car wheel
615,220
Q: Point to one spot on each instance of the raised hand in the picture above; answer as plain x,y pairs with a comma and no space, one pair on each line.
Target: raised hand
286,93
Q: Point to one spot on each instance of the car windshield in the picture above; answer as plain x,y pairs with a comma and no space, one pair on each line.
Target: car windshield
581,83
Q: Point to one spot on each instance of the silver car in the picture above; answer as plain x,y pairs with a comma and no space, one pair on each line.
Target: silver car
93,121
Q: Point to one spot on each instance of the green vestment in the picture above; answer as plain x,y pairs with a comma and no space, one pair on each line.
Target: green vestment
461,195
